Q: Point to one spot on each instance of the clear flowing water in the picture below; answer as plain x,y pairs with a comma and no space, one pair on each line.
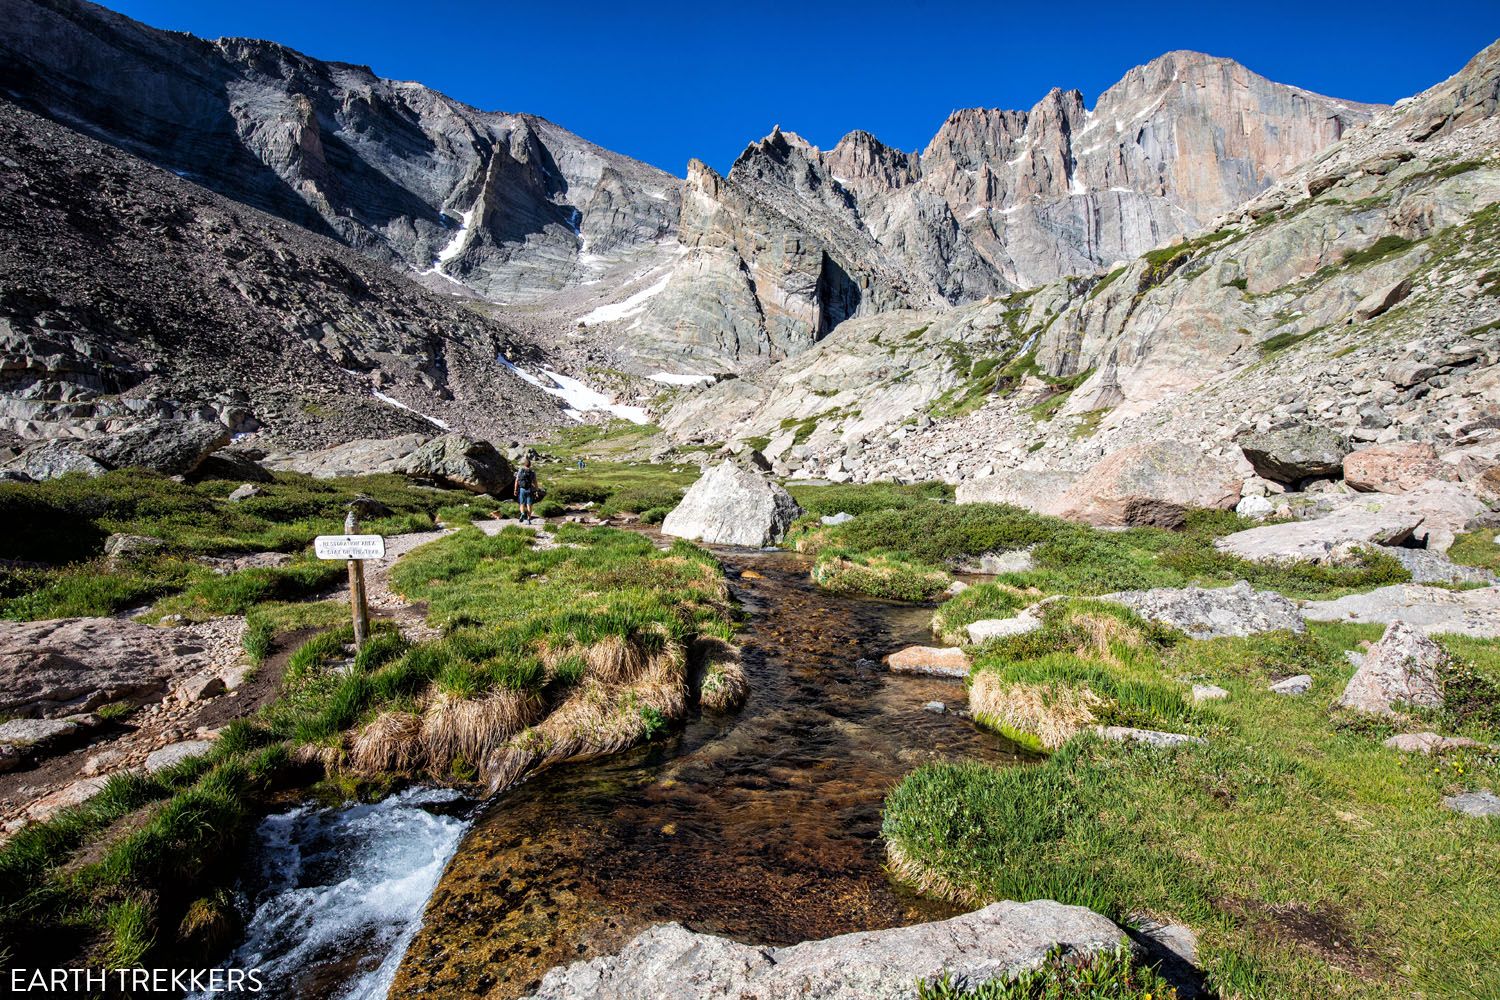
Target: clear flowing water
762,825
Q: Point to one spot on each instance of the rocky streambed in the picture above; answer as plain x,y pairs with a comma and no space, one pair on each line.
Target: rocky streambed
762,826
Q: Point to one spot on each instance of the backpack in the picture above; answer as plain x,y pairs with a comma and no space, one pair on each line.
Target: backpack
526,479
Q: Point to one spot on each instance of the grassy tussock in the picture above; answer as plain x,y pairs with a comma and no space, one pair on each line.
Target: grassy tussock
1044,716
469,730
1112,975
879,575
722,683
392,741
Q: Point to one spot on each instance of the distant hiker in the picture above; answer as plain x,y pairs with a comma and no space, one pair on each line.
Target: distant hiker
580,465
525,489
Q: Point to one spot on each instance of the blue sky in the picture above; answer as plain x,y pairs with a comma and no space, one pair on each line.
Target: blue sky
667,81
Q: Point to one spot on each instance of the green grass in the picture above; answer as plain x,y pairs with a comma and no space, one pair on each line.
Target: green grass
878,575
1114,975
62,524
1311,860
861,498
1074,559
1476,548
1387,246
1282,341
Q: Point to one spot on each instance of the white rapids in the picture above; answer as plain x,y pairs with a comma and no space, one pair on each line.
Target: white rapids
342,884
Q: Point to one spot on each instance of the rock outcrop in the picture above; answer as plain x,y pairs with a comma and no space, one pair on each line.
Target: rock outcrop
1394,468
61,667
1300,451
1434,610
669,962
731,505
1322,539
1214,612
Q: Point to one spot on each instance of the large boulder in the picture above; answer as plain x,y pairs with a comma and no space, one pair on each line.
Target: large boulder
730,505
171,447
1151,484
233,466
669,962
1211,613
1035,489
1296,452
460,462
1403,668
1394,468
1323,539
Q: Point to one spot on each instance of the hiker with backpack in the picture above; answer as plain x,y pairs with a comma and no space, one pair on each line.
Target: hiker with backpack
527,491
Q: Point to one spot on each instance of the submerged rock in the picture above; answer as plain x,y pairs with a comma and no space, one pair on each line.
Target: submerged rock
669,962
1401,669
1211,613
730,505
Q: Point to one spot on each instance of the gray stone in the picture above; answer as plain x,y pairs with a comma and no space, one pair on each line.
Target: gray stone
176,753
1381,299
1254,506
1427,566
126,546
935,707
986,629
1153,737
51,459
1434,610
1151,484
1323,539
669,962
1209,613
171,447
729,505
996,563
1295,452
1403,668
49,805
1208,692
1430,743
199,687
460,462
31,732
833,519
63,666
244,492
1480,804
1298,684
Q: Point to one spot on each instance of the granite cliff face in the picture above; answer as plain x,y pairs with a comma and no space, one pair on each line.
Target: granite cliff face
1359,293
795,239
712,274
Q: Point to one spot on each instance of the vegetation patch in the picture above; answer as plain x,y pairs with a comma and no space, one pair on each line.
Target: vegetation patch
1115,975
1078,560
861,498
977,603
879,575
1310,859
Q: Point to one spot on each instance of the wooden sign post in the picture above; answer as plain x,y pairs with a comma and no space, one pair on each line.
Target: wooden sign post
354,548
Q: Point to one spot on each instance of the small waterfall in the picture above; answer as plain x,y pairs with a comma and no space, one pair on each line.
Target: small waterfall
342,890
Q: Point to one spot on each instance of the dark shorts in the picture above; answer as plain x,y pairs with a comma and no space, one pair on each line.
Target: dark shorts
523,497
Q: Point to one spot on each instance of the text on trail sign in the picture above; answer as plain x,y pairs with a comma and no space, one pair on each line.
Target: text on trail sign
349,546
